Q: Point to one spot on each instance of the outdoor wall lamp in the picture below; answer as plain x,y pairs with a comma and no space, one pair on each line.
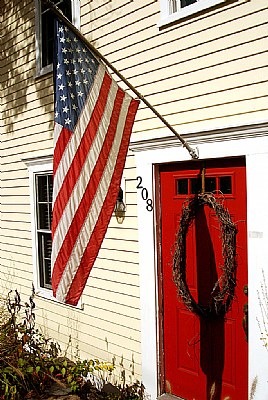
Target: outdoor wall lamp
120,207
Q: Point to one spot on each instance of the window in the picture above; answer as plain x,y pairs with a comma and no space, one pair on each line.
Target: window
220,185
172,10
40,179
43,200
45,30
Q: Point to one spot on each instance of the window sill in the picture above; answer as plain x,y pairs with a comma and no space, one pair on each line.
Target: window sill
187,11
46,294
43,71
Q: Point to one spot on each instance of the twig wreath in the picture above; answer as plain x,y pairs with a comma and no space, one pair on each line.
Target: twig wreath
223,291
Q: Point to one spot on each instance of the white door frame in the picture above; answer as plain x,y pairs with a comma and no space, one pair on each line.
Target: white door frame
249,141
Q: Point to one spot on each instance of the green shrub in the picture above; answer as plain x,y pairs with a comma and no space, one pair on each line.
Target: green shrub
29,362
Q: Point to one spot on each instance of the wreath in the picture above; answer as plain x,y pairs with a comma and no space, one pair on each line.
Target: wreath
223,291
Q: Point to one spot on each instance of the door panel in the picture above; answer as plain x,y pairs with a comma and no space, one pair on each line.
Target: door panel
204,359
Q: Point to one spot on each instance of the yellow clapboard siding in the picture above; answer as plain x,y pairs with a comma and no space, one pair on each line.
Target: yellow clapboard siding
124,287
120,232
181,39
115,276
16,273
159,56
14,200
115,254
217,111
32,105
125,245
21,241
103,321
13,233
202,126
185,28
83,320
131,299
13,17
19,259
33,120
23,80
112,16
229,73
221,97
15,225
17,248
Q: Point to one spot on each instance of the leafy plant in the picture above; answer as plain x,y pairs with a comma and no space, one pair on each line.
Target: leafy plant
29,362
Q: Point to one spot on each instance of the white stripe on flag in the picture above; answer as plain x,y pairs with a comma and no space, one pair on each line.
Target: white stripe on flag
57,131
95,209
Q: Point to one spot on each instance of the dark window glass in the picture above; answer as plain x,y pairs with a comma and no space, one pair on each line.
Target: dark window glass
44,186
225,184
196,185
44,259
47,25
210,184
182,186
185,3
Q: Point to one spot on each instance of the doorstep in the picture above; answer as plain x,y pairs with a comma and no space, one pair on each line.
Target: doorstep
167,396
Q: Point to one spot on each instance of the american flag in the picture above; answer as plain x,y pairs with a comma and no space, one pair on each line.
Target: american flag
93,122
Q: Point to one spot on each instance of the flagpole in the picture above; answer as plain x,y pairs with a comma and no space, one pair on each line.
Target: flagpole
193,152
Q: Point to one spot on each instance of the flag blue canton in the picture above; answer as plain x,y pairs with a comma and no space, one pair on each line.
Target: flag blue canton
74,76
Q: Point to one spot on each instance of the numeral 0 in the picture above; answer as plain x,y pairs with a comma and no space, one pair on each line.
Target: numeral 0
144,194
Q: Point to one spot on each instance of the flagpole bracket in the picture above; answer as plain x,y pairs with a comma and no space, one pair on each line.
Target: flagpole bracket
194,153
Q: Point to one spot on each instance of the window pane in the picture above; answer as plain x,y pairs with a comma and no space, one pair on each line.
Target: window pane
196,185
50,187
42,188
48,28
43,216
210,184
226,184
44,254
182,186
185,3
47,273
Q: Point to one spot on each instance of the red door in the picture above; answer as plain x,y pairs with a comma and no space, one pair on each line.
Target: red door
204,359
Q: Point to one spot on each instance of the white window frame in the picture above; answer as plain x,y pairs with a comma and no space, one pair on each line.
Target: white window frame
38,32
37,166
167,18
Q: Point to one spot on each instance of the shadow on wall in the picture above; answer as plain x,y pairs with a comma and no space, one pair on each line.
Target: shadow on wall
18,46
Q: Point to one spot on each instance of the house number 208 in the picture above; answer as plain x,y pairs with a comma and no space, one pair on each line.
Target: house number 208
144,194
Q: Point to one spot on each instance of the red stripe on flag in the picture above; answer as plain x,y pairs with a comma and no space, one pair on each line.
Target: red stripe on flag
60,147
84,206
81,154
100,229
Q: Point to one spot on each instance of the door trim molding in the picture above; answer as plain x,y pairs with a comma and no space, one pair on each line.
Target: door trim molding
256,130
251,142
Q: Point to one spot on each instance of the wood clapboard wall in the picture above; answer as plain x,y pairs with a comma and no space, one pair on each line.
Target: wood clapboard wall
207,71
109,324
